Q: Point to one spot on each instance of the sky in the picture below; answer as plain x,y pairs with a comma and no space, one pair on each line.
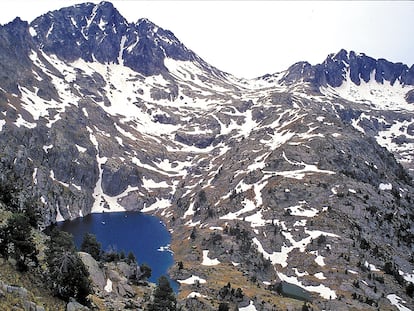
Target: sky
252,38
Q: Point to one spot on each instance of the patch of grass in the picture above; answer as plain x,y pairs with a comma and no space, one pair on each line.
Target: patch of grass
30,280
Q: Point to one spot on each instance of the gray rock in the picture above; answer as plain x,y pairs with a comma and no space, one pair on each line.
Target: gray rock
96,275
115,276
124,290
75,306
20,291
30,306
126,269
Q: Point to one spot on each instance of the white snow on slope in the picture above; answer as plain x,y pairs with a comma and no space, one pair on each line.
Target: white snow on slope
319,276
299,210
371,267
208,261
320,260
159,204
191,72
150,184
190,211
383,186
248,207
22,122
192,280
108,286
302,172
104,202
376,95
398,302
282,256
409,277
195,295
398,129
250,307
59,216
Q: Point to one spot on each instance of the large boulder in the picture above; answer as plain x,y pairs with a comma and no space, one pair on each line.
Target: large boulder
73,305
96,275
120,284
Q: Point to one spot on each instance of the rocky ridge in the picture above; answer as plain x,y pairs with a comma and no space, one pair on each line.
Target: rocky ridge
302,176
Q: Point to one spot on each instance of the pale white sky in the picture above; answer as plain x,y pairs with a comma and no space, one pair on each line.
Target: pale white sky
252,38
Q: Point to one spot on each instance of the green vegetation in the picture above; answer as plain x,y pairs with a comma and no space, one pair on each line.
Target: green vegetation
67,275
223,306
91,245
60,272
164,299
16,242
146,271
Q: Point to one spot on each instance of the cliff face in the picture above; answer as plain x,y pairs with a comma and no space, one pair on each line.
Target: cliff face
342,66
300,176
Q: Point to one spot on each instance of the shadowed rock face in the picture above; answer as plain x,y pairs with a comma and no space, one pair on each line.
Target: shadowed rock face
308,169
360,67
99,32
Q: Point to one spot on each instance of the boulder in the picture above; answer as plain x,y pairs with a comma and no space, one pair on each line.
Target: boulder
96,275
20,291
126,269
73,305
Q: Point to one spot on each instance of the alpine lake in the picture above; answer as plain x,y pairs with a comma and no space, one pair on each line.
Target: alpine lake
143,235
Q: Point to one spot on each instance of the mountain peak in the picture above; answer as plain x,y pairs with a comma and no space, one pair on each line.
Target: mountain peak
106,4
341,55
357,67
98,32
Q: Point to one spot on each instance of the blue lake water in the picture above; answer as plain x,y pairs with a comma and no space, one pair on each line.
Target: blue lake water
144,235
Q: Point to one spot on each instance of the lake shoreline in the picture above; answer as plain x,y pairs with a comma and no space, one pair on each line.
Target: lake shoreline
146,236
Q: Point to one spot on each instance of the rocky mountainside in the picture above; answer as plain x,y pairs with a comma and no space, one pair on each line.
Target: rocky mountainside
303,176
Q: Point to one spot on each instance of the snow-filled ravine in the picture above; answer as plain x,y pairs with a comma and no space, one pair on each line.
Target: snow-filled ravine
144,235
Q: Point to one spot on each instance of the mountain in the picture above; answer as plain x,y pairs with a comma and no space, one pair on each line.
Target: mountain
356,68
302,176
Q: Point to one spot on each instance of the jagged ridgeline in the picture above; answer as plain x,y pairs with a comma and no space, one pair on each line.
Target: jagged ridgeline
302,177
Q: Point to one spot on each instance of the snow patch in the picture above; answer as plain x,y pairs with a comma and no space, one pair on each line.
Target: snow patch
121,50
371,267
59,216
398,302
22,122
34,176
80,148
108,286
385,186
250,307
319,259
208,261
298,210
192,280
159,204
409,277
150,184
319,276
379,96
195,295
33,32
